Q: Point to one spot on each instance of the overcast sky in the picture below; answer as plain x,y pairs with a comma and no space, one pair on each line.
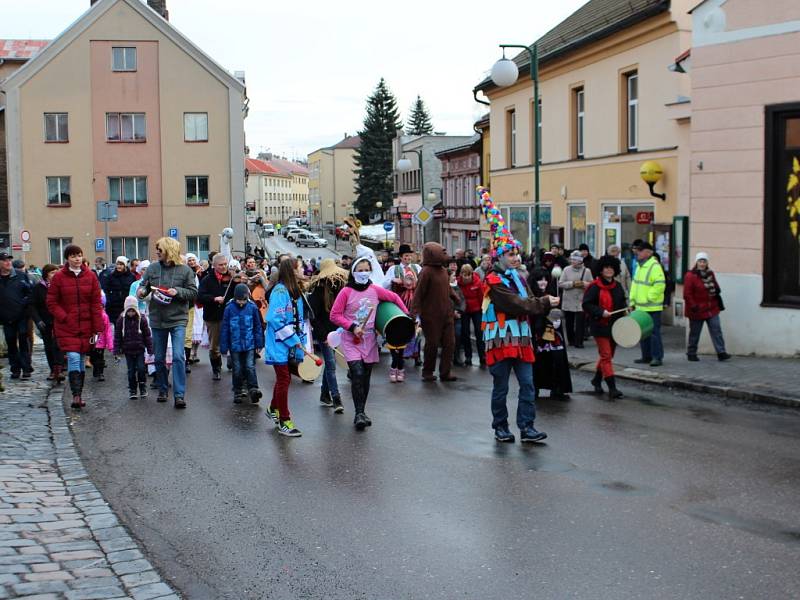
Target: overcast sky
311,65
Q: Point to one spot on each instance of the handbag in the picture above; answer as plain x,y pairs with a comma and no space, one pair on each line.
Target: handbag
292,361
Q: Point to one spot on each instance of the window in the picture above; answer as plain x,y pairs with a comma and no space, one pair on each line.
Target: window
195,127
123,59
128,190
132,247
57,246
126,127
632,86
579,122
58,191
782,206
198,245
56,127
197,189
511,117
577,225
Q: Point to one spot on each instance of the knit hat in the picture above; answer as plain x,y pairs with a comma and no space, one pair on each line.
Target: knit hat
142,266
122,259
241,292
576,256
555,315
190,255
701,256
131,303
502,240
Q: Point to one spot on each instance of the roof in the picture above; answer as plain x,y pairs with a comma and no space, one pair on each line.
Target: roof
286,167
474,140
259,167
595,20
349,142
92,14
483,121
21,49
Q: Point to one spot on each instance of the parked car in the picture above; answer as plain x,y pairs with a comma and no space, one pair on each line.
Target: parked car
310,239
268,229
293,233
342,233
285,231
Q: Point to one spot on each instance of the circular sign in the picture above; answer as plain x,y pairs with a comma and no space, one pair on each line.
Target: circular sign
25,235
388,226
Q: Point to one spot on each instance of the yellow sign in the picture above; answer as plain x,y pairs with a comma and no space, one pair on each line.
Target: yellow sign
422,216
651,172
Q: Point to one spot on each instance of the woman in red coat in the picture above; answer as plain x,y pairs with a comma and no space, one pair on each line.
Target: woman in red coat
472,288
701,294
74,301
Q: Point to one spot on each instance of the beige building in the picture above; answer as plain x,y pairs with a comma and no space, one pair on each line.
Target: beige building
142,117
331,182
297,193
608,104
745,166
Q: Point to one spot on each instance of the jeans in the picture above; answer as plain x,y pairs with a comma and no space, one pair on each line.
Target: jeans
280,393
76,362
466,342
714,329
329,383
574,324
526,408
360,375
160,337
19,349
652,347
244,370
137,372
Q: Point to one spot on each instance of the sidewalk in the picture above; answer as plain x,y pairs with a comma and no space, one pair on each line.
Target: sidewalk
58,537
767,380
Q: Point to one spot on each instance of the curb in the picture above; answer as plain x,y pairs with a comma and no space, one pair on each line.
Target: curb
677,382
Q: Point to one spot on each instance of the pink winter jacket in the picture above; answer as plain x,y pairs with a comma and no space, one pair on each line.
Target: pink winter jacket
106,339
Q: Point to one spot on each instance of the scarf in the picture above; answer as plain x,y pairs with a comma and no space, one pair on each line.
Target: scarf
513,274
606,300
707,277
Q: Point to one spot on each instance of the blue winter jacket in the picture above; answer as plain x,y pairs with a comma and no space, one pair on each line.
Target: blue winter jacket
283,334
241,328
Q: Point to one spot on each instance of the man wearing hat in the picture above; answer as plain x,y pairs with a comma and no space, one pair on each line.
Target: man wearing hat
647,294
395,276
703,299
15,296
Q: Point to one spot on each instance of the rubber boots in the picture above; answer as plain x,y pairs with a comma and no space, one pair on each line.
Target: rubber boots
597,382
613,392
76,379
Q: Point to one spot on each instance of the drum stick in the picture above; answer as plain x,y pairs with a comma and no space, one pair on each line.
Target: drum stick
619,311
317,359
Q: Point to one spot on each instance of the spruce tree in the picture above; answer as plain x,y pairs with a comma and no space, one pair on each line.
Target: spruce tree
419,122
374,156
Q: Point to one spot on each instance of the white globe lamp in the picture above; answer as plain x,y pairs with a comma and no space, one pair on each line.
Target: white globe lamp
505,72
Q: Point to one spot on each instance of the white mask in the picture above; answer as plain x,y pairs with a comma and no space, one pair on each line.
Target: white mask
362,277
557,323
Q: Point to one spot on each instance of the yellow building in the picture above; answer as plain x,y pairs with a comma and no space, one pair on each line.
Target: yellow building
331,182
608,104
121,107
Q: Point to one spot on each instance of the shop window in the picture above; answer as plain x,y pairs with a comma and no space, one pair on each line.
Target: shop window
577,225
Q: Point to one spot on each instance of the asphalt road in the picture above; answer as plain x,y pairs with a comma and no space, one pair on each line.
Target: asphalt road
277,244
658,495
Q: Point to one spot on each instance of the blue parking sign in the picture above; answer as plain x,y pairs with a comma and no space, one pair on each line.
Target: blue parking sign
99,245
173,232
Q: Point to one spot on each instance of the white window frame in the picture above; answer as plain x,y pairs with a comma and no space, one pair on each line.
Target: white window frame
568,234
63,242
512,133
139,183
134,118
59,118
632,111
190,129
197,179
580,117
125,52
193,245
59,179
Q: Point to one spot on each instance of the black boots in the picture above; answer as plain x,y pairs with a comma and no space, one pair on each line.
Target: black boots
597,382
613,392
216,368
188,354
76,387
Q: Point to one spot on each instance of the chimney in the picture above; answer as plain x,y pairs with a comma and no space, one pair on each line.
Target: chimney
160,6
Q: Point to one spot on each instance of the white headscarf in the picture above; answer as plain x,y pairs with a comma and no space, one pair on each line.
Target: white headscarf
367,253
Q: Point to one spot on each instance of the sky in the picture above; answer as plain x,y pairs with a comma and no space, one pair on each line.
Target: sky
310,66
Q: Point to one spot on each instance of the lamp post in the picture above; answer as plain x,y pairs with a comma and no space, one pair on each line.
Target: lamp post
404,165
504,74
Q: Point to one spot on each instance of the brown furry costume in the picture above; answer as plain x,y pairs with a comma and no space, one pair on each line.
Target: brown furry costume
433,303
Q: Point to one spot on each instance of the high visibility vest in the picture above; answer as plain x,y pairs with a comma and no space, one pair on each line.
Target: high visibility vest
648,286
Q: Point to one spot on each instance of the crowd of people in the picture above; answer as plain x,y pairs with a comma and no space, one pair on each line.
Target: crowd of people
516,314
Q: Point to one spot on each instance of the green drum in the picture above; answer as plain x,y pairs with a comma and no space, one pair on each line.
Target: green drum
629,331
394,325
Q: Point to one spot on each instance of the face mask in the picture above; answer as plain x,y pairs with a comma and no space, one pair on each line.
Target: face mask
542,284
557,323
362,277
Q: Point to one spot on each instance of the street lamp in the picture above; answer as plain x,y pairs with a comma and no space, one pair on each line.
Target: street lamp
404,165
504,74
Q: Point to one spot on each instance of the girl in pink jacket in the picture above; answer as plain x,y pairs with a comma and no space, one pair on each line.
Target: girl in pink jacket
354,311
105,341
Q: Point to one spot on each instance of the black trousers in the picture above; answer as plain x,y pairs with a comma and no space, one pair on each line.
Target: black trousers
98,358
19,349
360,375
55,358
574,322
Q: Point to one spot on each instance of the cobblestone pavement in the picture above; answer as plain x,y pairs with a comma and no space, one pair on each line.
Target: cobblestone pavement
58,538
757,379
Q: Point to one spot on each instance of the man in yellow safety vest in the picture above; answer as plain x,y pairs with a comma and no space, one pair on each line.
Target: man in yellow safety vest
647,294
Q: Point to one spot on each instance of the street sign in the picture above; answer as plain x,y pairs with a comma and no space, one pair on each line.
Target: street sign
439,213
25,236
173,233
99,245
423,216
388,226
107,210
26,246
17,247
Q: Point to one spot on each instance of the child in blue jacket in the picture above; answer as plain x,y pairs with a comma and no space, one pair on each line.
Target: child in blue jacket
242,335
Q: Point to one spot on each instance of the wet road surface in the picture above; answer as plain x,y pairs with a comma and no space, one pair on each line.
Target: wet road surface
659,495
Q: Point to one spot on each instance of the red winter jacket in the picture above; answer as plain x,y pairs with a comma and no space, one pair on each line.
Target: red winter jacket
699,303
473,293
74,301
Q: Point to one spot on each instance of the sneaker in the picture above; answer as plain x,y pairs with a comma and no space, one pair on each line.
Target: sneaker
643,361
100,377
216,376
325,399
26,374
14,374
656,363
255,395
337,405
180,402
502,434
723,356
288,429
393,375
692,358
237,397
132,395
369,421
143,390
162,397
401,375
273,413
530,435
360,421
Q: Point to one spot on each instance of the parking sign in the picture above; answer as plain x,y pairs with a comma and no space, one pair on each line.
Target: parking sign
173,233
99,245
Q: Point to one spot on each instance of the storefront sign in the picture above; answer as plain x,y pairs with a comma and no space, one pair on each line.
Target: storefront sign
644,218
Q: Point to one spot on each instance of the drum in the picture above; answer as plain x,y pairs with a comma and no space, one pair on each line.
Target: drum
629,331
394,325
308,370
